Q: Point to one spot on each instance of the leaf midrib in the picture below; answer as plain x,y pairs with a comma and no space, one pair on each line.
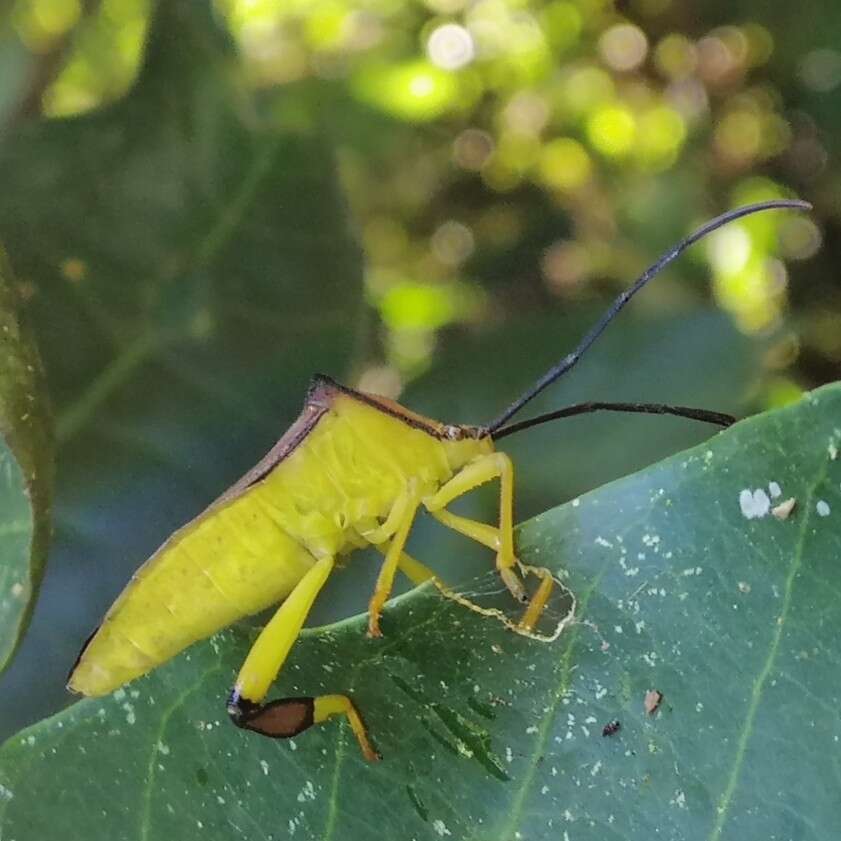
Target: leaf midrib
724,803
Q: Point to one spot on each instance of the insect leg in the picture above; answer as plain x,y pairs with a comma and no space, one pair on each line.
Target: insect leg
480,532
484,469
385,580
538,601
288,716
414,570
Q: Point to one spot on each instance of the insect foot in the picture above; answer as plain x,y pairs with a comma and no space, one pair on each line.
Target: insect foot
514,585
374,631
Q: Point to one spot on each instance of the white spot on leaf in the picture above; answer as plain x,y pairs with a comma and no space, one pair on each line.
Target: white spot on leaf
754,504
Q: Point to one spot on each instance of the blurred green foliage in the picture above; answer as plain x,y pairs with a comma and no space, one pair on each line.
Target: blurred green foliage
508,166
507,155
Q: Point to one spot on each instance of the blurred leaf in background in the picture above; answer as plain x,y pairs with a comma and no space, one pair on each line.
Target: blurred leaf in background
26,469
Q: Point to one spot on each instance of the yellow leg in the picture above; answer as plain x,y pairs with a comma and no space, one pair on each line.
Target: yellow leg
288,716
484,469
326,706
404,506
480,532
414,570
385,580
538,602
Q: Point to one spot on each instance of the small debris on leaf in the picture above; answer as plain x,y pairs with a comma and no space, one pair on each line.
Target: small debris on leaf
653,699
784,509
744,587
611,728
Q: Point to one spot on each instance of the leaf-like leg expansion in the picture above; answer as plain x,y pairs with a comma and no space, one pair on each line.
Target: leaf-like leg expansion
385,581
288,716
477,472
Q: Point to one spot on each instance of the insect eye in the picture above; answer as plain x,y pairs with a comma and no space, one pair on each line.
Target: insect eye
453,433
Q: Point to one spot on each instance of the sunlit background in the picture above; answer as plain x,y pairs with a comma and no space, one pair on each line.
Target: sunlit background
629,121
507,167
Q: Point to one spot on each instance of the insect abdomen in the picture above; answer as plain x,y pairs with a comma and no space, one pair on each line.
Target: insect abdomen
229,562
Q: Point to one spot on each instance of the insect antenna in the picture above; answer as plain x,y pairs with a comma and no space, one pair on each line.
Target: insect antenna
572,358
704,415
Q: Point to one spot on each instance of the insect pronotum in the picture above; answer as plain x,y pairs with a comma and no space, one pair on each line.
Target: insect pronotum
353,470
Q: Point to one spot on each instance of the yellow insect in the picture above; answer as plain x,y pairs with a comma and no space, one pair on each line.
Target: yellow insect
353,470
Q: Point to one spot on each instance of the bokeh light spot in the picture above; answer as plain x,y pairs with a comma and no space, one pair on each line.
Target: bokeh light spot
738,135
446,7
450,47
415,91
564,164
729,249
472,148
760,43
800,238
413,306
566,265
820,70
381,379
74,269
562,23
661,135
452,243
40,22
623,47
526,113
781,391
585,88
676,57
611,130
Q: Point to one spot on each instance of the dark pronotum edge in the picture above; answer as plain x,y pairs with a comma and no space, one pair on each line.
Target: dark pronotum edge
386,406
571,359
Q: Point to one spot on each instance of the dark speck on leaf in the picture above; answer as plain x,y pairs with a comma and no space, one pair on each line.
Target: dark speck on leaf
611,728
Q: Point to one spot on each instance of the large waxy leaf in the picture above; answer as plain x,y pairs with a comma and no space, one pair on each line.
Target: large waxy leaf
25,470
686,583
188,265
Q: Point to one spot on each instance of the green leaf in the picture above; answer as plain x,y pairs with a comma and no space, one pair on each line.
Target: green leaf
189,266
26,470
487,735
